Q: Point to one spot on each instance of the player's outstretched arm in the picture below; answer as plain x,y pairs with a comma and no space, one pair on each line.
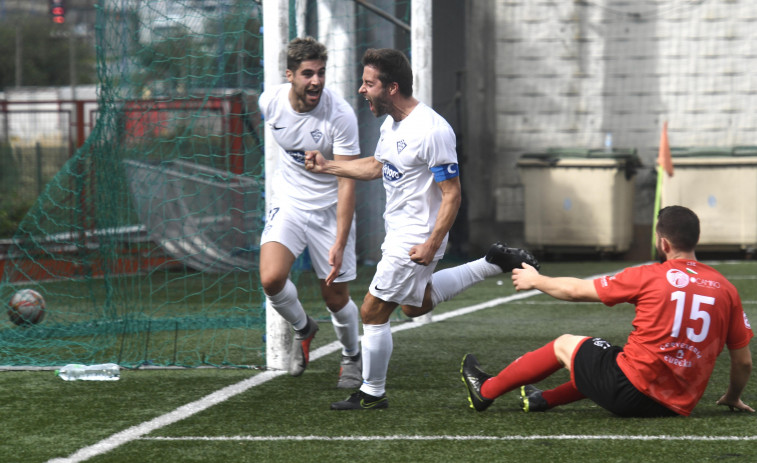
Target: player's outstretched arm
367,168
741,368
563,288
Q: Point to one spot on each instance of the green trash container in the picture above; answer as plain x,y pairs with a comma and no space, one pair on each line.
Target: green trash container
579,199
720,185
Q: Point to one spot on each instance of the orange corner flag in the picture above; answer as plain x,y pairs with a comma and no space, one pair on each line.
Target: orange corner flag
664,158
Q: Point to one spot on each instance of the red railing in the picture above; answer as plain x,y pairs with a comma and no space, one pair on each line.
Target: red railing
70,122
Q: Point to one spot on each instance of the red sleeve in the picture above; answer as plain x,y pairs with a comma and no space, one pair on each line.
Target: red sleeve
621,287
739,329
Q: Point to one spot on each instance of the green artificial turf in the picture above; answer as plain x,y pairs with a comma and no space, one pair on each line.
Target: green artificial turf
428,419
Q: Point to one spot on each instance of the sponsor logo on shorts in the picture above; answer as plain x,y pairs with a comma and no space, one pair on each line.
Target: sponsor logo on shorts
677,278
391,173
599,342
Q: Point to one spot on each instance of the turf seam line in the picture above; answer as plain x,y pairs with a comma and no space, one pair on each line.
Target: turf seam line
619,437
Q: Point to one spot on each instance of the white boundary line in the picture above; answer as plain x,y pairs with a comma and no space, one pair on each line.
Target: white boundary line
185,411
579,437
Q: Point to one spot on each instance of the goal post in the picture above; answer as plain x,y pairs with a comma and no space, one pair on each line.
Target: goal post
145,243
275,40
337,29
421,60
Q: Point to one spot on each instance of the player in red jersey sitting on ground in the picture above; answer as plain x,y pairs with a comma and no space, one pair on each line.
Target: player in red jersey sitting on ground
686,312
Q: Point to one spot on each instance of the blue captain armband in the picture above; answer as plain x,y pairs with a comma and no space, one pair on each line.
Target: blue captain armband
445,172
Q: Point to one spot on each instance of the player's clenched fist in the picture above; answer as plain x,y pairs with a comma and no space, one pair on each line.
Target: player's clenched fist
523,278
314,161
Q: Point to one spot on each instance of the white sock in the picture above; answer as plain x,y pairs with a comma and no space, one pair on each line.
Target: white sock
448,283
289,307
377,349
346,328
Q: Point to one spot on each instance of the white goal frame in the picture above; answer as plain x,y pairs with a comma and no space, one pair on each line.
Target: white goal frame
275,40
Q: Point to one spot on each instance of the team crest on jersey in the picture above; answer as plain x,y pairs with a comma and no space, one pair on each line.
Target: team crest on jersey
746,322
317,135
401,146
677,278
391,173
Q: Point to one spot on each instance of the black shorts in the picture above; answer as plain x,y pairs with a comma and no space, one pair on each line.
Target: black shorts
598,377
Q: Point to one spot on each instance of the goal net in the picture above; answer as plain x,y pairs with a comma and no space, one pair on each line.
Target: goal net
145,244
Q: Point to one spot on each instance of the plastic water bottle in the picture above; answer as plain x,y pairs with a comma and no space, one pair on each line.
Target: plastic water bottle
102,372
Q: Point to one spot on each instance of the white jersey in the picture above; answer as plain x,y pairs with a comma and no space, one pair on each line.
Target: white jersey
408,149
331,128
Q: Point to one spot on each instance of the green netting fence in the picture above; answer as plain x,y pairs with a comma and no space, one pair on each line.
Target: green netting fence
144,245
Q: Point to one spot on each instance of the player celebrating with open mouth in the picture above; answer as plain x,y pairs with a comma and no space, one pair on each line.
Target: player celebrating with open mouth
416,157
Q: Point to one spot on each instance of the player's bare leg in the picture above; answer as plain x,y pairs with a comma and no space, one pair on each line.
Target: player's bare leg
275,263
447,283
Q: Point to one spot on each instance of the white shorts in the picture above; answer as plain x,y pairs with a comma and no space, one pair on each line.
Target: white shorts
297,229
399,279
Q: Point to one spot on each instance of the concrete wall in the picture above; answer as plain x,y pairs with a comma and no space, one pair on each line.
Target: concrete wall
563,74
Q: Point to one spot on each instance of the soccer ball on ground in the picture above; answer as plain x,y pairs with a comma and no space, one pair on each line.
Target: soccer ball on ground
27,307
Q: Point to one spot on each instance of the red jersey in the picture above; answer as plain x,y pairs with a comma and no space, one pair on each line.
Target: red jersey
685,313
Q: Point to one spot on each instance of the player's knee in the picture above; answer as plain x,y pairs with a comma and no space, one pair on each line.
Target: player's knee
374,312
335,303
413,312
372,318
335,296
272,284
564,347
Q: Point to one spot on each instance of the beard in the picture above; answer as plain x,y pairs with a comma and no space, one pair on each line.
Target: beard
380,105
308,97
661,257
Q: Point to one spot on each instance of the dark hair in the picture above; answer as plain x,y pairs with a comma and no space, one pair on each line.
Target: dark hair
680,226
392,66
303,49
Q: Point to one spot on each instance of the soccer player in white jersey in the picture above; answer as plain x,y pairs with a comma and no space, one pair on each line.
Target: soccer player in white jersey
309,210
416,156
